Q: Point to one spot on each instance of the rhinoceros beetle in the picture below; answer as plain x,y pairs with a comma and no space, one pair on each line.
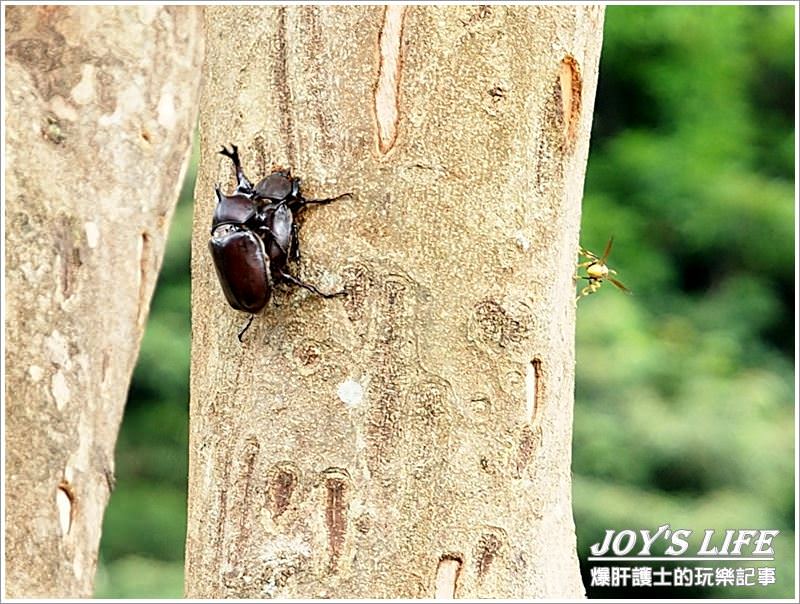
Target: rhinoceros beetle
254,234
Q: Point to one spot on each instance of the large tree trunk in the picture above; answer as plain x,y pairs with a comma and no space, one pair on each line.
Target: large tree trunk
413,438
100,107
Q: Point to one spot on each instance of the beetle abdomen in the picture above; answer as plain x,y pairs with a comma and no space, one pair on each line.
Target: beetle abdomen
243,269
280,224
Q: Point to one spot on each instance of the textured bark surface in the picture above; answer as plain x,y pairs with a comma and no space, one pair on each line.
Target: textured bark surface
100,106
412,439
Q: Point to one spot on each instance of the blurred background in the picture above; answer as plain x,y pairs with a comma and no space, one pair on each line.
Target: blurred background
684,410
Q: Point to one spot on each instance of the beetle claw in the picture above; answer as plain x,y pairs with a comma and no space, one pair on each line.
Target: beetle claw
295,281
233,154
245,328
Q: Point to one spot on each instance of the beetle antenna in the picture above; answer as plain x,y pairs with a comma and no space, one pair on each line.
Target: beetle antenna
245,328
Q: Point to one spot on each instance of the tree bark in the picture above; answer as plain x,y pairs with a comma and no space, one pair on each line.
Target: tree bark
100,109
411,439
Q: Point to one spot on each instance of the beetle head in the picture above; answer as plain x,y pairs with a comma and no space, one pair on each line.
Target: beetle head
236,209
275,187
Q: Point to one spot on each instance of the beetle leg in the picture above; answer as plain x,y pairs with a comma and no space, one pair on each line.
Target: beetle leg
245,328
291,279
302,201
242,184
265,232
295,245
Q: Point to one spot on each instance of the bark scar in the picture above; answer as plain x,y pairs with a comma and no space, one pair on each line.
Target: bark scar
489,547
388,87
283,481
336,511
571,84
144,271
447,576
533,387
66,503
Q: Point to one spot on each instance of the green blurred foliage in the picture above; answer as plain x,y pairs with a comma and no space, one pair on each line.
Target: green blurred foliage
136,578
142,548
684,390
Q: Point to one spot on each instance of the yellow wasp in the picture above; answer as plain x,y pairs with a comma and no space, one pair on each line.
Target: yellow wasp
597,271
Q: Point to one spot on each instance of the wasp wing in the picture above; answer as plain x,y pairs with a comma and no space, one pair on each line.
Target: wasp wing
607,251
619,285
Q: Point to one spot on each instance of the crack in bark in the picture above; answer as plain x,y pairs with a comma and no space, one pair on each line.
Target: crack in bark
282,84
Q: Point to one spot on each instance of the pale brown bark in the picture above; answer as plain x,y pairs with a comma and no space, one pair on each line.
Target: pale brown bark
100,106
412,439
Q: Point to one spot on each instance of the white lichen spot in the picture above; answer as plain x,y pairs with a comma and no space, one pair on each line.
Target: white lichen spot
130,103
522,241
148,12
35,372
110,119
83,92
166,109
92,234
36,273
282,557
57,349
60,390
329,281
62,109
351,392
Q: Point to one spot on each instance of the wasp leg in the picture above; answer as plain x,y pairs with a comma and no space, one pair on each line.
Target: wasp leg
242,184
591,288
245,328
294,280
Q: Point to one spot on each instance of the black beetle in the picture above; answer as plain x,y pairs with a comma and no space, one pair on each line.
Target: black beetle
254,234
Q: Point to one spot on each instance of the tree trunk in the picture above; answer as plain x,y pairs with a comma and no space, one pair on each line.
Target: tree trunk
412,439
100,109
